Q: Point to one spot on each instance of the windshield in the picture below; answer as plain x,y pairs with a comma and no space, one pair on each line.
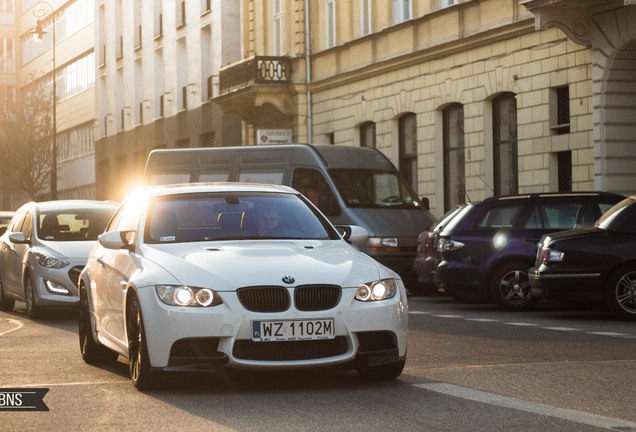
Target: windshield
373,188
73,225
609,216
233,216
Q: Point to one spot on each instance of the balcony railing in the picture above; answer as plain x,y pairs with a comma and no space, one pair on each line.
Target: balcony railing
258,70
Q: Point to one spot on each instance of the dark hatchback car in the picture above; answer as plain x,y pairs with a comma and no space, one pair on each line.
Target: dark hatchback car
485,253
597,263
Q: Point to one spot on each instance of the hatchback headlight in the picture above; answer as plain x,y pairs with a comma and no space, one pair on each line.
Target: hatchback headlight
378,290
181,295
49,261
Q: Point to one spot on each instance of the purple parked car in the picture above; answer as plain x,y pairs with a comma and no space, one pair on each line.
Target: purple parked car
485,252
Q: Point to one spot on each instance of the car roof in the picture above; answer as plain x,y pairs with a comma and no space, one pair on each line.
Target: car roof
536,195
71,204
186,188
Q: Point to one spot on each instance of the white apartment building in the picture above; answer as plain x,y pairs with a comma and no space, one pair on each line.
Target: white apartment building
157,73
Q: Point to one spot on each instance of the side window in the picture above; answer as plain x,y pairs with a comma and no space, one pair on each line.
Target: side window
312,184
560,216
27,226
500,217
17,222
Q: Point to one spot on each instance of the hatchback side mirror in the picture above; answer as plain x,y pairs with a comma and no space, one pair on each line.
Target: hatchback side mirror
117,239
18,238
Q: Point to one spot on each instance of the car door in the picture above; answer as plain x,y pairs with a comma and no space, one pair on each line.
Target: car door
113,269
14,255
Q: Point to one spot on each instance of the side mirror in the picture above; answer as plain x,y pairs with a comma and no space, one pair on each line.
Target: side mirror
116,239
18,238
354,234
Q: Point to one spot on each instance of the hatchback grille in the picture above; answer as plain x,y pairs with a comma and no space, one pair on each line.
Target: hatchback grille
290,350
316,297
264,298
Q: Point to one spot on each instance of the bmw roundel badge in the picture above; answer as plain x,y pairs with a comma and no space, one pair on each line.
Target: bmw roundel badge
289,280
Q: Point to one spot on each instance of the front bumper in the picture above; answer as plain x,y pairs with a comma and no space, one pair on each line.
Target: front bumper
191,338
50,284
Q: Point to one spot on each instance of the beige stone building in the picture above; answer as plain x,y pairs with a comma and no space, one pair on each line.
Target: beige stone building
469,98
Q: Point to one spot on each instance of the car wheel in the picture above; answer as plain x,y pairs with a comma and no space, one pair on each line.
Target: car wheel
92,352
138,358
382,372
33,310
510,287
6,304
620,292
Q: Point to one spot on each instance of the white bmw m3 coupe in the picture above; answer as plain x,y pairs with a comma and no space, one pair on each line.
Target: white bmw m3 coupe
199,277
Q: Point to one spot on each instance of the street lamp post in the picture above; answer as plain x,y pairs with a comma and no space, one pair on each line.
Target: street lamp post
42,9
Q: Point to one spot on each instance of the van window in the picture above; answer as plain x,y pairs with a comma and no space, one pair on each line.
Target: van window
169,178
261,176
373,188
213,176
312,184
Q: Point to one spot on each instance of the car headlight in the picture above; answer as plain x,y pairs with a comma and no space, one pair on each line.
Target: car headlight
49,261
378,290
181,295
382,244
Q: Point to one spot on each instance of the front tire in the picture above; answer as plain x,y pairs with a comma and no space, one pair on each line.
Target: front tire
510,287
620,292
6,304
138,358
92,352
33,310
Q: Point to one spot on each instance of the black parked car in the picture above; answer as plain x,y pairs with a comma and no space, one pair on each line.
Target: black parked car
485,252
596,263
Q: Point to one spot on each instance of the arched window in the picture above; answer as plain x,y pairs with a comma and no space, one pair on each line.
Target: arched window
454,168
505,144
408,148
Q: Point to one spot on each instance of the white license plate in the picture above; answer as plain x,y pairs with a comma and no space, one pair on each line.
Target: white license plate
293,330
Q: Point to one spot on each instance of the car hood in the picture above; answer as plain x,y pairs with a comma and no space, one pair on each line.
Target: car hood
230,265
69,249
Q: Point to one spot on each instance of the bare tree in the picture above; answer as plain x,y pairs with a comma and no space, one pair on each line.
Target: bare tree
26,134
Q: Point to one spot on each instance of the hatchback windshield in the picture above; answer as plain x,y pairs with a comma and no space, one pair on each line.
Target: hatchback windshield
233,216
372,188
72,225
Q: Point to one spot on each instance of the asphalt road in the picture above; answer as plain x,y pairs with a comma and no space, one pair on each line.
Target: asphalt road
469,368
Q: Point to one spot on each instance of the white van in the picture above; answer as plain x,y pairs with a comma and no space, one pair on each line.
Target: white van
350,185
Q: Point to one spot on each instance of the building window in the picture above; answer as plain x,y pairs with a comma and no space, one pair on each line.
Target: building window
330,23
564,171
446,3
560,110
454,171
505,144
401,11
277,15
75,143
367,135
408,148
365,17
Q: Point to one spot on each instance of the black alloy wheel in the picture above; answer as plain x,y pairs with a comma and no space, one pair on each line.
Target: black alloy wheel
138,358
620,292
510,287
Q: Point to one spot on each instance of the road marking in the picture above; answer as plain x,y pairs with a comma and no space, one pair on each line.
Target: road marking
482,319
561,328
419,313
17,323
78,383
521,324
448,316
609,334
530,407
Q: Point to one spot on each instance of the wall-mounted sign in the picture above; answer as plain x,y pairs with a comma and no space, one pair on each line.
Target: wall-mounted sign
274,136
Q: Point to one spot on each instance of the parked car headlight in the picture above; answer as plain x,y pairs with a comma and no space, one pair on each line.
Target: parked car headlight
49,261
378,290
181,295
382,244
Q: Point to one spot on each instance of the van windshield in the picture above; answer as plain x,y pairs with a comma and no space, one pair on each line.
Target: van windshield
373,188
